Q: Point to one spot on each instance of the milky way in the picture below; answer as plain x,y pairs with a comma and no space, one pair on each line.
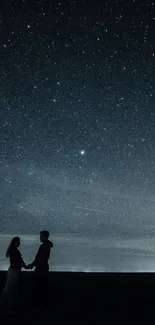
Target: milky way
77,119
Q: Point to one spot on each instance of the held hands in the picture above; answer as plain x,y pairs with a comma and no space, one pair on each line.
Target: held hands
29,267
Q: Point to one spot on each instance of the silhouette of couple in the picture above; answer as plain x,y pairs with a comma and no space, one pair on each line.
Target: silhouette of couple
10,293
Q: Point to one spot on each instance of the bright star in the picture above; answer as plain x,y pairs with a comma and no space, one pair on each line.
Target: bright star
82,152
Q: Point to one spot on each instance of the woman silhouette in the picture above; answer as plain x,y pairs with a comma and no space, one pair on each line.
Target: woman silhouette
11,289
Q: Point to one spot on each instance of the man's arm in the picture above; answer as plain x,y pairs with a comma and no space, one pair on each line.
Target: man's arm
31,265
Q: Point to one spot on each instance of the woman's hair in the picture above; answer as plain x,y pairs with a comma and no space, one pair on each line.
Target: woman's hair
12,245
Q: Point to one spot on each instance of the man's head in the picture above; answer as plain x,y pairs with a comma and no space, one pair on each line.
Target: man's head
44,234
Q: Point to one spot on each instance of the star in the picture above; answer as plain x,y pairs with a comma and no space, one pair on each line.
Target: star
82,152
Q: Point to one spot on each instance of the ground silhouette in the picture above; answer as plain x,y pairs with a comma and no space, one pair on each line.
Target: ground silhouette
84,296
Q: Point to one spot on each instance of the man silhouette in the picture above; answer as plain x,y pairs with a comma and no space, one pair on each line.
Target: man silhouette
41,270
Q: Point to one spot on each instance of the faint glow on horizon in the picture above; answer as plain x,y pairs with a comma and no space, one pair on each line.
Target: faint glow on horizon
114,255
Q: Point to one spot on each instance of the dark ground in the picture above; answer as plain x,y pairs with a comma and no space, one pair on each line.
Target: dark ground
83,297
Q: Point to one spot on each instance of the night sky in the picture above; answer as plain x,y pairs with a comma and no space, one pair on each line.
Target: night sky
77,118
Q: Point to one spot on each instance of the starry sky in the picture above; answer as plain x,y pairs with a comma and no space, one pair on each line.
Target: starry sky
77,118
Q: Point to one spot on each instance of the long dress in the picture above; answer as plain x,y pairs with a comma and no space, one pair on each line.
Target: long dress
11,290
